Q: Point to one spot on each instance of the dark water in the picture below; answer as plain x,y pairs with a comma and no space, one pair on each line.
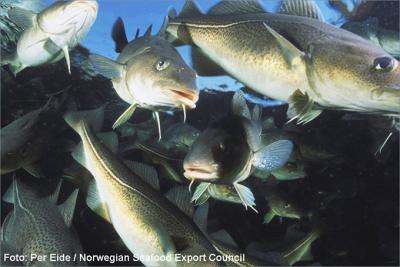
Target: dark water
355,194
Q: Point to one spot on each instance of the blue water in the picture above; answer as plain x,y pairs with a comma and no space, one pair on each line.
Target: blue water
140,14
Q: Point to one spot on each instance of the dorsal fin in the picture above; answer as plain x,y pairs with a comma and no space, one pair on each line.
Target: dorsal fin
190,8
119,35
137,34
161,32
239,105
147,34
302,8
54,196
236,7
67,209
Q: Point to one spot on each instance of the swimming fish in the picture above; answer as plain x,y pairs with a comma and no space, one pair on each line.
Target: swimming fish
145,220
37,226
370,30
302,61
230,149
148,73
295,247
25,140
282,204
48,36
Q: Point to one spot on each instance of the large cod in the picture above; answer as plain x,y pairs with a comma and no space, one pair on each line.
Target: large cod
292,56
149,224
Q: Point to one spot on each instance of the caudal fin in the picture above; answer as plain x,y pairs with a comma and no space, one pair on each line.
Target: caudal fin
94,118
11,59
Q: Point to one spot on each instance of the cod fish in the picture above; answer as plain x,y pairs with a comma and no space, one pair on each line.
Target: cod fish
230,149
37,226
148,73
370,30
49,35
282,205
302,61
25,140
145,220
295,247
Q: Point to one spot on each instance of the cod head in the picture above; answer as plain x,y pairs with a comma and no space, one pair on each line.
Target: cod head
215,155
67,22
159,78
355,74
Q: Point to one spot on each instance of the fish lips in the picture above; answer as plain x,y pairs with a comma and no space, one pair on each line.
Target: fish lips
184,96
206,172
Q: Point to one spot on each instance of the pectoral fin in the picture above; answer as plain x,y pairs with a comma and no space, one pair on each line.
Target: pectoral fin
106,67
67,59
301,108
95,203
246,196
125,116
273,156
22,17
201,194
269,216
293,56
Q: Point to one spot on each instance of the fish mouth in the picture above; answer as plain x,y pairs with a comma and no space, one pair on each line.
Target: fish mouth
186,97
200,172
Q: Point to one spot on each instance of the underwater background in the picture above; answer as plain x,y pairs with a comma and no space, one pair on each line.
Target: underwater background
348,186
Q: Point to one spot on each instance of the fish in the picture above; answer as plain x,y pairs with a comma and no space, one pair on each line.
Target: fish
179,136
132,205
148,73
37,226
282,205
327,66
229,150
49,35
295,247
370,30
176,141
25,140
221,192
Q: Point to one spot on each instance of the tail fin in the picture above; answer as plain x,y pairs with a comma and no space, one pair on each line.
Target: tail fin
94,118
11,59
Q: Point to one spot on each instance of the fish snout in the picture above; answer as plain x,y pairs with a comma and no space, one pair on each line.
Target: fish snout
185,96
200,170
69,18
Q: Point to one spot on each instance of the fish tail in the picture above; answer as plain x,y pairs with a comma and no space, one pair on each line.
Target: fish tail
94,118
11,59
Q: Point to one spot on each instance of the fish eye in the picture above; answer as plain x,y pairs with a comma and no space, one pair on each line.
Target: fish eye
162,64
385,63
222,146
287,205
